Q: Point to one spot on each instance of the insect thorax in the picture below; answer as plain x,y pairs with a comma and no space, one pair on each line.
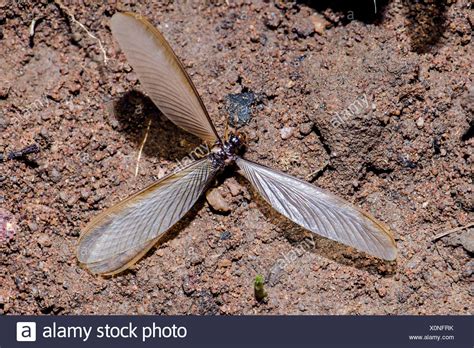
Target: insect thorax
224,154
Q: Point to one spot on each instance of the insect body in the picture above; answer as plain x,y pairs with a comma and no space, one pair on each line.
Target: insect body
224,154
122,234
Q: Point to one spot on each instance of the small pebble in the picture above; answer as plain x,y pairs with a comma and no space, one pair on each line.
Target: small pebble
306,128
85,194
225,235
467,240
188,285
286,132
216,201
63,196
44,240
234,188
304,28
420,122
8,225
272,20
55,175
319,23
32,226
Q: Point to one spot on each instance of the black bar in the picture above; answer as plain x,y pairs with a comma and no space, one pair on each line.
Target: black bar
249,331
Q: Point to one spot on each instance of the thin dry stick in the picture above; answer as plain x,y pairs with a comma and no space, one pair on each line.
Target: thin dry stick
142,145
445,233
66,10
33,25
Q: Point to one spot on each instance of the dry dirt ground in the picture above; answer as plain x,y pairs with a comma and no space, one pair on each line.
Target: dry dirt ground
377,108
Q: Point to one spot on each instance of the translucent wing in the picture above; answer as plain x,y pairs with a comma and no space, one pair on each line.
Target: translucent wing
320,211
162,74
118,237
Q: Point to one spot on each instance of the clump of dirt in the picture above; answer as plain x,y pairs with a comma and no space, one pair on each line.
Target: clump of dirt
375,107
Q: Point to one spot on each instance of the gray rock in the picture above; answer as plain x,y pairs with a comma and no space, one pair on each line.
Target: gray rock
467,240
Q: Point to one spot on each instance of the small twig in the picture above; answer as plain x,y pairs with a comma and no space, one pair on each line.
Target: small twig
142,145
66,10
32,29
457,229
313,175
33,25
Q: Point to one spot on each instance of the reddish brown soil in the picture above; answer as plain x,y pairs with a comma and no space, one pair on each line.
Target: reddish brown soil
404,154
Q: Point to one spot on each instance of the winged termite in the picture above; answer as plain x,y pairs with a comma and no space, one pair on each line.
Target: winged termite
119,236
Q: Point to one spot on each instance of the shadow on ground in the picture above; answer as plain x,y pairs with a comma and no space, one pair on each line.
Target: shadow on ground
426,18
134,111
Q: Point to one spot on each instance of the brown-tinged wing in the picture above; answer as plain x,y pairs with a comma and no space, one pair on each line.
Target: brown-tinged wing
162,74
320,211
119,236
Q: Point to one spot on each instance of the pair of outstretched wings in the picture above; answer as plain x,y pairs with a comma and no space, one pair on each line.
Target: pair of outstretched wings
119,236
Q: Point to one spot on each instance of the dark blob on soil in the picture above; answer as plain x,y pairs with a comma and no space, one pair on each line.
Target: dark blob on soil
239,107
134,111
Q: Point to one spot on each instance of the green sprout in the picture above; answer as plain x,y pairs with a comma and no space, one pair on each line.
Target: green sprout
258,285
